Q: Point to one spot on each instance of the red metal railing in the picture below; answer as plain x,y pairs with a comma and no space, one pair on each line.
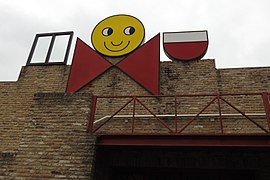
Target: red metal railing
215,98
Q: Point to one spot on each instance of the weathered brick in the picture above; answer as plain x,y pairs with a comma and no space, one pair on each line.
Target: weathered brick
43,129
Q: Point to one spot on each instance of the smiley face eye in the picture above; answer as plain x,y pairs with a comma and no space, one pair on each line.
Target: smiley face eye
107,31
129,30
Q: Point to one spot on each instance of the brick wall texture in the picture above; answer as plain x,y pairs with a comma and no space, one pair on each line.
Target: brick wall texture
43,129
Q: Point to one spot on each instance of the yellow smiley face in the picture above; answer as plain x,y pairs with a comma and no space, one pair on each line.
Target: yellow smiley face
117,35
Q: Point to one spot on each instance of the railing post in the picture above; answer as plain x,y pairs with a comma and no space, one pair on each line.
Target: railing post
92,114
220,115
266,107
175,113
133,114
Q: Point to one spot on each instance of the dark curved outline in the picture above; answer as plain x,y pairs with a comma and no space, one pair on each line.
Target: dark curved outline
129,34
106,28
118,45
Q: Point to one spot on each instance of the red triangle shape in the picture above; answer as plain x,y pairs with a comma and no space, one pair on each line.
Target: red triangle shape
143,65
87,64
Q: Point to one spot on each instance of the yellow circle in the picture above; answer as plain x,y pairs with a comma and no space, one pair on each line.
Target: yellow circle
117,35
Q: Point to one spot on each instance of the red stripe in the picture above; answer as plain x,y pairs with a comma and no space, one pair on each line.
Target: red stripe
185,50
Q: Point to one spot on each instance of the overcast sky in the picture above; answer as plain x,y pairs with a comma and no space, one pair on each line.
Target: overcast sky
238,30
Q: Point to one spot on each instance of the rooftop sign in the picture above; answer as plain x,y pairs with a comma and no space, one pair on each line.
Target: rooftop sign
122,36
185,46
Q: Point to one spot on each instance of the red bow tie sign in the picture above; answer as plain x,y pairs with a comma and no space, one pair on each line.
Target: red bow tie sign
141,65
121,35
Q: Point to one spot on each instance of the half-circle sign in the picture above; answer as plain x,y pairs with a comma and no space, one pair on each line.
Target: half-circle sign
188,45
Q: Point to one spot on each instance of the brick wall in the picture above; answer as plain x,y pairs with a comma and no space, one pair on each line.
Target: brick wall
190,77
175,77
42,129
54,143
244,79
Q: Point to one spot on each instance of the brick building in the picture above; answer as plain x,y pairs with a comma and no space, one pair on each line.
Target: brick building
207,123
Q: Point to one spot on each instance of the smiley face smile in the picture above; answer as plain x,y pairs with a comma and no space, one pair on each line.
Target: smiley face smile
116,45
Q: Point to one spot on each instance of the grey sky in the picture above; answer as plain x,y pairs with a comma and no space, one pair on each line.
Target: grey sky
238,30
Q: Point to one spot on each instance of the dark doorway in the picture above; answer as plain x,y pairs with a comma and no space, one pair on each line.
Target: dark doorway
181,163
180,174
